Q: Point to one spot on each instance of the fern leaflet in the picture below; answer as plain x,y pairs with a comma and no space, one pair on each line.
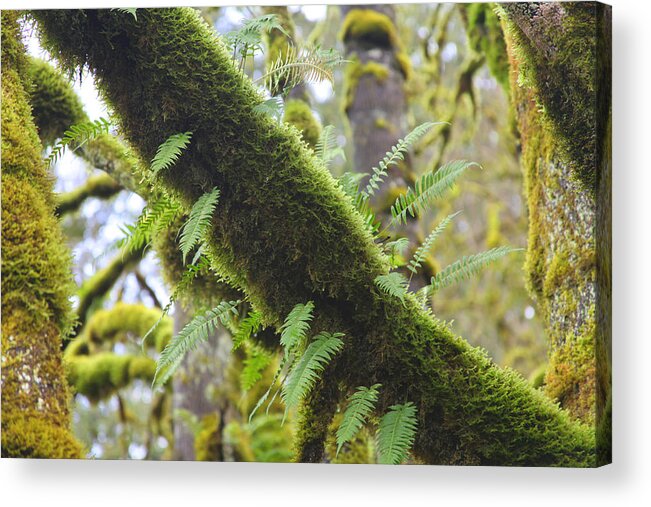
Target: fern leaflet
360,404
326,148
296,325
396,433
395,248
428,187
421,252
393,156
170,151
195,332
198,221
248,39
247,328
254,364
153,219
394,284
127,10
468,266
78,135
349,183
306,371
272,107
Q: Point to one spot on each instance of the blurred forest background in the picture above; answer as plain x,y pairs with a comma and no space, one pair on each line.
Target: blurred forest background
441,76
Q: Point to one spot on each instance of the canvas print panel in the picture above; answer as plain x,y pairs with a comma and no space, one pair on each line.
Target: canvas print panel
329,234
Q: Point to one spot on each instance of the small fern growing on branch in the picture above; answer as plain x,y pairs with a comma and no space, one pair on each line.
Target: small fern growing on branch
296,325
360,405
196,331
326,148
394,284
198,222
416,262
153,219
170,151
78,135
469,266
396,433
247,327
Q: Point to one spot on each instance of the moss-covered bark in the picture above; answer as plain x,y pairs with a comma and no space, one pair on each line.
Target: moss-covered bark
101,186
560,57
36,278
286,233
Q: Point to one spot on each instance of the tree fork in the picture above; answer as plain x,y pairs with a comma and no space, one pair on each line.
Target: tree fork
285,233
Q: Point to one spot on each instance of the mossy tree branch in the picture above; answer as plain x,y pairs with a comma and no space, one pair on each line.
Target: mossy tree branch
285,233
101,186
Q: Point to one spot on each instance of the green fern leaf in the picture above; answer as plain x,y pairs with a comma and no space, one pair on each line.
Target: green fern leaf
395,155
127,10
395,248
428,187
360,405
272,107
326,148
421,252
394,284
396,433
296,326
247,40
468,266
306,371
153,219
78,135
195,332
170,151
198,221
247,328
349,183
254,364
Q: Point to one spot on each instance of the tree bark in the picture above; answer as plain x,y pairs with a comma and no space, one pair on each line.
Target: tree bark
285,234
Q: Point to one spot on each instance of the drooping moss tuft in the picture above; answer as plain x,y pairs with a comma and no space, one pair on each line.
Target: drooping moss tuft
286,233
36,278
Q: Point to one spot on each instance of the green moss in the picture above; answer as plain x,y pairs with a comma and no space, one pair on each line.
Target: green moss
102,186
286,233
355,71
494,236
101,375
208,442
55,104
371,26
299,114
36,278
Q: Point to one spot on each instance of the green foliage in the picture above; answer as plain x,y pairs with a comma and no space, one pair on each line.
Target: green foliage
169,152
327,149
78,135
395,248
196,331
254,364
300,65
306,371
394,284
469,266
127,10
360,404
421,252
428,187
198,221
395,155
247,40
272,107
154,218
396,433
296,325
247,328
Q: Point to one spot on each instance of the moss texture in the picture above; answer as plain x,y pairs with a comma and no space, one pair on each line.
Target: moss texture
566,163
299,114
36,278
286,233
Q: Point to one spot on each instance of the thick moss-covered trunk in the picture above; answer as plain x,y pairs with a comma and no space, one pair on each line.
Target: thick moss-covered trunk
560,57
36,279
285,233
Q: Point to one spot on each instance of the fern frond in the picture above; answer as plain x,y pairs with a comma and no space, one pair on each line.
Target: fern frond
393,156
272,107
198,221
326,148
421,252
394,284
300,65
428,187
395,248
285,365
349,183
306,371
170,151
296,326
78,135
247,328
127,10
196,331
468,266
248,38
254,364
153,219
360,404
396,433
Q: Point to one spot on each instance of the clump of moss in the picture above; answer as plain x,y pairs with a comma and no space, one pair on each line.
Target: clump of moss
36,278
370,26
208,442
299,114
